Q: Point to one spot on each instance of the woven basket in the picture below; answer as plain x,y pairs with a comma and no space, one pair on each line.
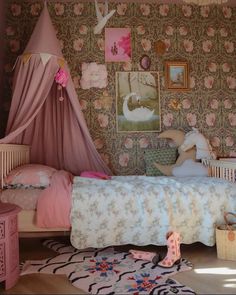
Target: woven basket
226,239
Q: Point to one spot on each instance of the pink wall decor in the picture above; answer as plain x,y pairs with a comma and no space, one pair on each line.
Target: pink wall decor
117,44
62,77
93,75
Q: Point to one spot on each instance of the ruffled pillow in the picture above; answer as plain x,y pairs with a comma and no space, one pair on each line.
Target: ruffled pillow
30,175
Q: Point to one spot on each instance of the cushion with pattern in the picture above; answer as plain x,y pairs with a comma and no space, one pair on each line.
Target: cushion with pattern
164,156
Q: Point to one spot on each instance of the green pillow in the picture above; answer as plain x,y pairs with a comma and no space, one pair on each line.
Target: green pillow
165,156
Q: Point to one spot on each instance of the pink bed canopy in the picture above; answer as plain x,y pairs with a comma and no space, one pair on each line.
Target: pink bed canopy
56,130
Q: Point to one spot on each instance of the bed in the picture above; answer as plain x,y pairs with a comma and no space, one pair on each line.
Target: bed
12,156
138,209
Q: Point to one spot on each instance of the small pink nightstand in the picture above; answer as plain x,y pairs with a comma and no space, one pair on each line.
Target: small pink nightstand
9,245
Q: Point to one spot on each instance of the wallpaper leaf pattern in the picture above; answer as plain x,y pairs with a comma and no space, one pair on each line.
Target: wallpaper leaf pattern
203,36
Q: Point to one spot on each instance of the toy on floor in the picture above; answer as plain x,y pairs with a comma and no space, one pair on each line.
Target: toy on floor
173,254
144,255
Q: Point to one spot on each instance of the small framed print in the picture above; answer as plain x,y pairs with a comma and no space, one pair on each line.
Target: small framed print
145,62
176,75
117,44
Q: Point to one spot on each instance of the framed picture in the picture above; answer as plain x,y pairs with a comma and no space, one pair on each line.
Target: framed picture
176,75
117,44
145,62
138,102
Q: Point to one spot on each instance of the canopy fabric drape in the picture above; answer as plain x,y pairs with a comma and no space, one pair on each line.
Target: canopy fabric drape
56,130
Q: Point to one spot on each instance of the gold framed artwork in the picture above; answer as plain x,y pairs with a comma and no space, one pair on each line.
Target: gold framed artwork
138,102
176,75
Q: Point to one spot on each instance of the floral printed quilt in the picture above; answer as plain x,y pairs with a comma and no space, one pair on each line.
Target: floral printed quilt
140,210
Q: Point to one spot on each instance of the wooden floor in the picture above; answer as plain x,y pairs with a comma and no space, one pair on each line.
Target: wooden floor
208,276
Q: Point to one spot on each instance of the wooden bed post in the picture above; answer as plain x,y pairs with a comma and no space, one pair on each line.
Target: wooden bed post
12,156
223,168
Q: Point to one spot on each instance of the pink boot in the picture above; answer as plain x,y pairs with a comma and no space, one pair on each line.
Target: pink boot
173,254
144,255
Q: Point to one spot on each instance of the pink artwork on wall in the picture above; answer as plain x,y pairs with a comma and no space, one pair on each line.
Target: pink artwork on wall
117,44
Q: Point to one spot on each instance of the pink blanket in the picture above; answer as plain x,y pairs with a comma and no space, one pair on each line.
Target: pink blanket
54,203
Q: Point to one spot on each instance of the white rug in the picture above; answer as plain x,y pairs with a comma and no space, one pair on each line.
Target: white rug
106,271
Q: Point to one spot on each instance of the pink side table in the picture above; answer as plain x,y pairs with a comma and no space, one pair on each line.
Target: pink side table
9,244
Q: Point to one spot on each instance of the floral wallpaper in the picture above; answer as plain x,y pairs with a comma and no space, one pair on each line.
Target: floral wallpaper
205,37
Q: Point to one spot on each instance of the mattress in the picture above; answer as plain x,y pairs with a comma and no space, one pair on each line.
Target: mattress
27,223
26,199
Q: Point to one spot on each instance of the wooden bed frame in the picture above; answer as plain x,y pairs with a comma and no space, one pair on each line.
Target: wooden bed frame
224,168
13,155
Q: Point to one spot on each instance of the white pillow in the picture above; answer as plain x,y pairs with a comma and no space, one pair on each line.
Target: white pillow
190,168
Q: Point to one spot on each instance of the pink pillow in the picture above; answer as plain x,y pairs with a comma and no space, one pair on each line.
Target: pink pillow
35,175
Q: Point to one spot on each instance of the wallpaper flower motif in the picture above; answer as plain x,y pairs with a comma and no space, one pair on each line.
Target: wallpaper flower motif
227,12
15,9
215,141
143,142
78,44
223,32
10,31
187,10
145,9
207,46
78,8
121,8
59,9
212,67
183,31
228,104
98,143
226,67
124,159
128,143
83,30
35,9
203,36
188,45
231,81
164,10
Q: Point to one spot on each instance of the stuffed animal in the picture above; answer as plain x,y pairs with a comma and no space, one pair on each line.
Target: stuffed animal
191,146
144,255
178,137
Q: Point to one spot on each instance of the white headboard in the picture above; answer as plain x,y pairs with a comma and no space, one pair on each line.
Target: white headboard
223,168
12,156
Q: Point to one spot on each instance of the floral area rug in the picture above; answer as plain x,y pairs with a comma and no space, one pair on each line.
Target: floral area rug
107,271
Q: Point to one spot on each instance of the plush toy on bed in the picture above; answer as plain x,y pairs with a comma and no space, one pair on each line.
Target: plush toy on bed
191,146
